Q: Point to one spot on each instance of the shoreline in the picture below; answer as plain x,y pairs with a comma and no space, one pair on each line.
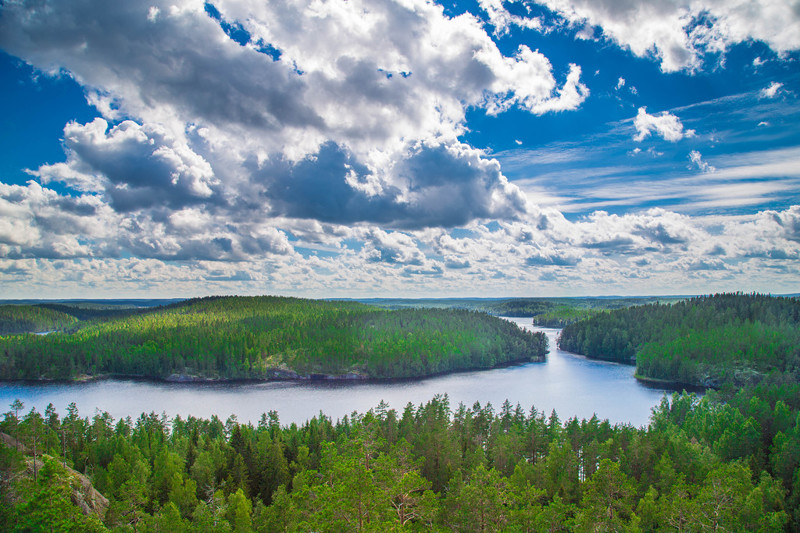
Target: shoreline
278,375
669,383
649,382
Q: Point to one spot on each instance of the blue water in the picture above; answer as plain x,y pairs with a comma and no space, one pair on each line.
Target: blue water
568,383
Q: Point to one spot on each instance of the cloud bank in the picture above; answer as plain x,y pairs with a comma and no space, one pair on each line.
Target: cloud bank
320,148
680,34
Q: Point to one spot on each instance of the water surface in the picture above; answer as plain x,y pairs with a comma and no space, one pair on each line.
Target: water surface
568,383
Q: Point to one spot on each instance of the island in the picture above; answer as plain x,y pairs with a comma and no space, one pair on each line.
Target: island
708,341
263,338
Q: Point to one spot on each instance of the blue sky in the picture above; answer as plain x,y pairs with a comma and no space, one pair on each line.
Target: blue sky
408,148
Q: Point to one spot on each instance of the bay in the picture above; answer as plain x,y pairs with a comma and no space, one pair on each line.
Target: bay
567,383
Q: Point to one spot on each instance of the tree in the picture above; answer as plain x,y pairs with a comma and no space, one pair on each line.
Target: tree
239,512
17,406
48,506
561,471
480,503
209,516
608,500
167,519
33,427
398,476
280,517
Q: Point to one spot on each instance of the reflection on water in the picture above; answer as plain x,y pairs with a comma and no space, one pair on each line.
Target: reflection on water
570,384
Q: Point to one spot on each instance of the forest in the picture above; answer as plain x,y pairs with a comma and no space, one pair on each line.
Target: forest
546,312
712,341
32,319
267,337
724,462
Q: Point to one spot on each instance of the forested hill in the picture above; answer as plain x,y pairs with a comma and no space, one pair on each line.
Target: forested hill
708,340
268,337
546,312
32,319
701,465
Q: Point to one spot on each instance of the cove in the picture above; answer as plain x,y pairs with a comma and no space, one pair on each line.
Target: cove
567,383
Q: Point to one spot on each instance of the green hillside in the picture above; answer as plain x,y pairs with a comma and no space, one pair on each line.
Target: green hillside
32,319
709,340
268,337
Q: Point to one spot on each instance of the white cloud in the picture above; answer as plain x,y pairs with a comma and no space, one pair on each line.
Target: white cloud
679,32
38,222
638,253
665,124
361,98
218,167
393,248
526,81
697,159
502,20
620,84
771,91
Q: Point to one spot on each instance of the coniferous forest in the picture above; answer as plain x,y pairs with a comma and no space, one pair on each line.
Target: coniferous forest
726,461
720,463
709,341
269,337
31,318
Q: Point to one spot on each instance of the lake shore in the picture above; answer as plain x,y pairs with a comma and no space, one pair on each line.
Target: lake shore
658,383
273,375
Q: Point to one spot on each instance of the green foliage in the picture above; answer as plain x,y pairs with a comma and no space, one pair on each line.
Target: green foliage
428,468
268,337
47,505
15,319
546,312
726,461
709,341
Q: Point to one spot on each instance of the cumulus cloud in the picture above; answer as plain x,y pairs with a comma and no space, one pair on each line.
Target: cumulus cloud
236,141
393,248
771,91
136,166
655,230
665,125
680,33
553,259
620,253
767,235
697,160
36,222
444,185
503,20
342,112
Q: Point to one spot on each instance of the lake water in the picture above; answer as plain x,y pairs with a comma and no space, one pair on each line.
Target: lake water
568,383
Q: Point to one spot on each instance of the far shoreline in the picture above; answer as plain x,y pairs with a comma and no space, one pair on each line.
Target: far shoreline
659,383
282,376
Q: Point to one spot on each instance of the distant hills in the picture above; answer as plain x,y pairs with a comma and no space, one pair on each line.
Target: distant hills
709,340
254,338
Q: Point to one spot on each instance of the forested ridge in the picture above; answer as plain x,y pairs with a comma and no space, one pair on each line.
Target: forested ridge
32,319
709,340
546,312
720,463
267,337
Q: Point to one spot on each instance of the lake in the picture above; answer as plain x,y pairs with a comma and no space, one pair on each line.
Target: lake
568,383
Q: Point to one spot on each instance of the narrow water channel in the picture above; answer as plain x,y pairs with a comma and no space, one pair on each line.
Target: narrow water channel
568,383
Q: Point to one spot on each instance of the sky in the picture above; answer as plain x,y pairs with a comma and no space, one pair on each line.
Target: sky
399,148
